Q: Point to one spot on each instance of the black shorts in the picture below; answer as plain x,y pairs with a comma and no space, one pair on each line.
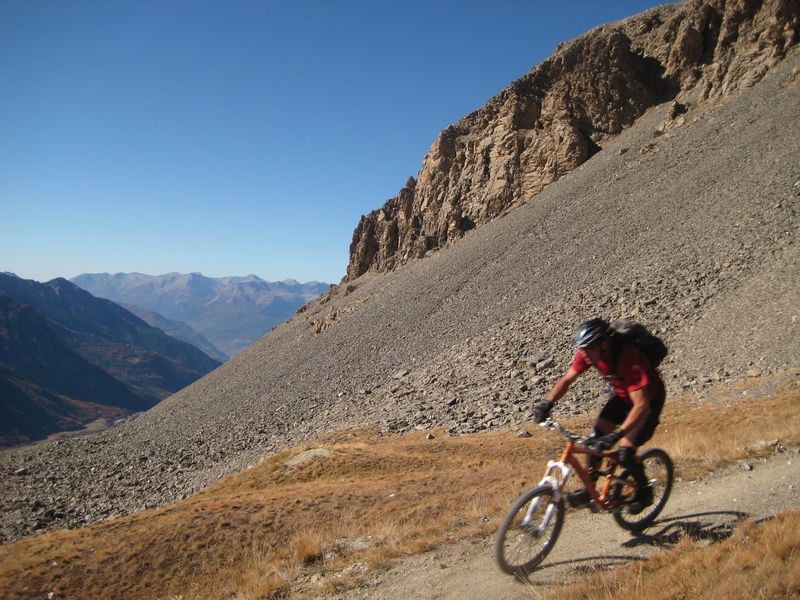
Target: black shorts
617,409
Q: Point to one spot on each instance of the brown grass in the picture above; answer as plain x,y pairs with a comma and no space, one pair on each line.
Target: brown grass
316,527
758,561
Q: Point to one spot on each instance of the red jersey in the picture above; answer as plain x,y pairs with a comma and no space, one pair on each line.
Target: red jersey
633,370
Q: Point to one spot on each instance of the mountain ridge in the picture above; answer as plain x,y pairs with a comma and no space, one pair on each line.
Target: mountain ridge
45,386
231,312
178,330
76,358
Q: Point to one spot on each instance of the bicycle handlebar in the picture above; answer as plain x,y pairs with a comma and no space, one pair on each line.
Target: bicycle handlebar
555,426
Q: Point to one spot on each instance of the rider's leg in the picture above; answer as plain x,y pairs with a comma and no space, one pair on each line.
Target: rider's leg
601,427
626,454
612,415
638,436
627,458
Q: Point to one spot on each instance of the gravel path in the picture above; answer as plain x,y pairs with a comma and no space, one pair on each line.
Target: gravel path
707,510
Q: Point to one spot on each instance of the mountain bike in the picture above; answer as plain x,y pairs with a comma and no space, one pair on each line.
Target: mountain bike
533,523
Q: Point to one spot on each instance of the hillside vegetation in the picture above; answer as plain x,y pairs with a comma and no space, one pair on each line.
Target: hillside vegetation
316,518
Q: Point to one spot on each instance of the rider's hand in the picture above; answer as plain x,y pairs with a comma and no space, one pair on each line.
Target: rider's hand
542,410
604,442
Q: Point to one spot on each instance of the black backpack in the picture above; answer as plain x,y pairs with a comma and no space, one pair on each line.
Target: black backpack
626,331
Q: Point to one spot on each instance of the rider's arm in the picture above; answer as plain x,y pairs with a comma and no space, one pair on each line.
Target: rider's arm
562,385
638,414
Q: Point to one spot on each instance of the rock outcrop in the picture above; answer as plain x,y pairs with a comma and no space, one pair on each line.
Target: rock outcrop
556,117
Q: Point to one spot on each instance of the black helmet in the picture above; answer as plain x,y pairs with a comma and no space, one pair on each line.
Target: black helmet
590,333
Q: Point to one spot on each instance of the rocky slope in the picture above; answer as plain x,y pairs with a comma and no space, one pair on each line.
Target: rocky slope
687,222
231,312
565,110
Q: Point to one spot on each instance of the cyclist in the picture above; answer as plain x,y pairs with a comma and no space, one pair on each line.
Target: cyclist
632,412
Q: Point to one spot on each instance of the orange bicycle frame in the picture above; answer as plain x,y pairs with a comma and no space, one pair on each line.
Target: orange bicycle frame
603,496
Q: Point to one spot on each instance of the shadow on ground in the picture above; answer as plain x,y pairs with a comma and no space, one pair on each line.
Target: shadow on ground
710,527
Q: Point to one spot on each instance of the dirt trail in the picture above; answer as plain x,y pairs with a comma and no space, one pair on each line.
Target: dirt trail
707,509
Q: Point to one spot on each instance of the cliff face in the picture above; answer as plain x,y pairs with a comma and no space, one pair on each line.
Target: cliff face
556,117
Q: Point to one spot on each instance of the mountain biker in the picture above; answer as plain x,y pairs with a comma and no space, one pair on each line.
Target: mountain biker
632,412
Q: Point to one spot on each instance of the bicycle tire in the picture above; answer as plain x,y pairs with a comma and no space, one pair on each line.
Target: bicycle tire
660,471
514,533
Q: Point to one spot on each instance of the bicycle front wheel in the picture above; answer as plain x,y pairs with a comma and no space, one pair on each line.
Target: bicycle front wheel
529,531
660,472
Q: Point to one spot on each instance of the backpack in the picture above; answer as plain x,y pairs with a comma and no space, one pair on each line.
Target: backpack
625,331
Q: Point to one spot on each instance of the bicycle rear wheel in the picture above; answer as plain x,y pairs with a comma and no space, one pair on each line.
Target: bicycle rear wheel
660,472
529,531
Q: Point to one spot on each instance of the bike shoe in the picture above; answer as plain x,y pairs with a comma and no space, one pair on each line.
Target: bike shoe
579,498
642,499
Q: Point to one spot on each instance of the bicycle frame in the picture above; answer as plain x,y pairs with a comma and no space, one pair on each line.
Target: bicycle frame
559,471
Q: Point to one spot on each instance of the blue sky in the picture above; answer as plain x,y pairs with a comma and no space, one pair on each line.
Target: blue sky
237,137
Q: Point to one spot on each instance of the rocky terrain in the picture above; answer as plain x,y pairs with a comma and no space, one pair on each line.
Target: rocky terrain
564,111
231,312
686,220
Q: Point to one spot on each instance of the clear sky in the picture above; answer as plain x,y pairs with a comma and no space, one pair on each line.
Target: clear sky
237,137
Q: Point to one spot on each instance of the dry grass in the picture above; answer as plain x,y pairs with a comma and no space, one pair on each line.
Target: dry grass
318,526
758,561
702,437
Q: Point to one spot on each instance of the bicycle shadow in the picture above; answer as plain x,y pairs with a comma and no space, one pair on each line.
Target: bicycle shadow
700,527
668,532
584,564
599,562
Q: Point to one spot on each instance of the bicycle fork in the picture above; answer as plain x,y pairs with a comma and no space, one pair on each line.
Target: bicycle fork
556,483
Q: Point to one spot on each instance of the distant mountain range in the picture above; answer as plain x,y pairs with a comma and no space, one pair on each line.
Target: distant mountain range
177,329
68,358
230,312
